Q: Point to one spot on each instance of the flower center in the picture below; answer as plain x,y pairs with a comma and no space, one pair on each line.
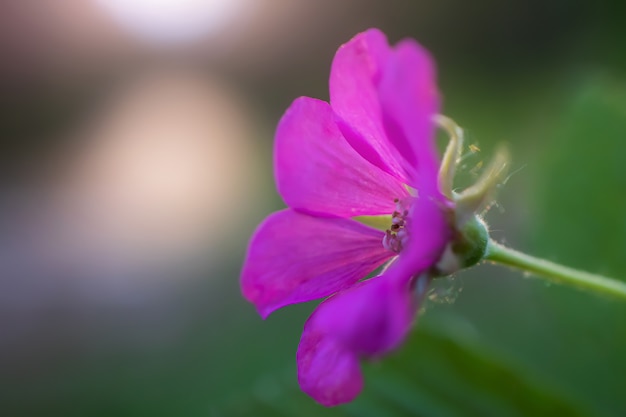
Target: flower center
396,236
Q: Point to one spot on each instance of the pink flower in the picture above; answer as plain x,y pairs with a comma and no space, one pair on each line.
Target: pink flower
369,152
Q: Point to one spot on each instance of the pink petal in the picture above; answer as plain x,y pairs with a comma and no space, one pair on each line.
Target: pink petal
369,319
410,100
385,100
326,371
319,172
429,231
295,257
354,75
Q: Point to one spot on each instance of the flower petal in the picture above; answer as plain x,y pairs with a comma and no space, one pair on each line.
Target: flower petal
409,100
318,172
355,72
430,231
294,257
369,319
327,371
385,99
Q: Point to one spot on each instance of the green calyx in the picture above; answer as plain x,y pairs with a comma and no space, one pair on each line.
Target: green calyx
471,245
467,248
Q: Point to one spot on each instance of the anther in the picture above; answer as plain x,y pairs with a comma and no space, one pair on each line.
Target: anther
396,236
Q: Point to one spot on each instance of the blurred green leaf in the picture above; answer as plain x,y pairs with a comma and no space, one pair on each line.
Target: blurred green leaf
436,373
578,218
581,202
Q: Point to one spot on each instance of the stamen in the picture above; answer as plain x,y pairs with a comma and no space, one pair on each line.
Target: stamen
396,236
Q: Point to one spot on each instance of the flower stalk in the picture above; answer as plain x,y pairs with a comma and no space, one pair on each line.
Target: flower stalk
554,272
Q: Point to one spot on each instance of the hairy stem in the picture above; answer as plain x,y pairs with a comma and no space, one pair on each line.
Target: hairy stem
553,272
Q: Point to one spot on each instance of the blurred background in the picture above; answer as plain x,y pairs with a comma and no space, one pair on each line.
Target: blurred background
135,162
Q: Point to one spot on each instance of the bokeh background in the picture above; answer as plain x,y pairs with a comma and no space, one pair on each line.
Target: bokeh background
135,161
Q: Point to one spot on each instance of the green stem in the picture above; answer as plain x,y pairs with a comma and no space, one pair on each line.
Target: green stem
554,272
